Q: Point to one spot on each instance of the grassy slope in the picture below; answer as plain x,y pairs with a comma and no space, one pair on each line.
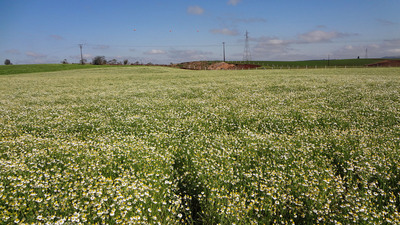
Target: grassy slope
34,68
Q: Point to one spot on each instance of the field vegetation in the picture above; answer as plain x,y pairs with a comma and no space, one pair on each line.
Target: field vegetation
36,68
158,145
332,63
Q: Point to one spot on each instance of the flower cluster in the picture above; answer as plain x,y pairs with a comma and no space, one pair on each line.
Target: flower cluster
138,145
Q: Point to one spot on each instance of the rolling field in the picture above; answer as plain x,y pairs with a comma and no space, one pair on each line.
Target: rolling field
157,145
38,68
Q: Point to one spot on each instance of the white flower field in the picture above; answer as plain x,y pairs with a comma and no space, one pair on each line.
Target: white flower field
157,145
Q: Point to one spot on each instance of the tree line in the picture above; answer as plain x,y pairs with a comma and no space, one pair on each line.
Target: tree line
98,60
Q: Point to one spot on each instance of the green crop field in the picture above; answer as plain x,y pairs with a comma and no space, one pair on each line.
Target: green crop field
332,63
36,68
157,145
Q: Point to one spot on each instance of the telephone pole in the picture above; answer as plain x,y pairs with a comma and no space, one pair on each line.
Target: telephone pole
328,59
223,48
80,46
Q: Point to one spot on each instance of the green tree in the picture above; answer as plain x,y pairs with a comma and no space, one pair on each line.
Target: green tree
99,60
7,62
113,62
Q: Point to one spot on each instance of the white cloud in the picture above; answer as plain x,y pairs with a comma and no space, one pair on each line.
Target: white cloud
386,22
101,47
249,20
189,55
155,52
233,21
392,43
13,51
234,2
272,41
276,42
36,58
353,51
395,51
277,48
35,54
174,55
349,47
225,31
85,56
195,10
375,50
270,46
56,37
320,36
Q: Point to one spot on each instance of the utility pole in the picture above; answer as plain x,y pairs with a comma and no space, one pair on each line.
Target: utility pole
366,53
328,60
80,46
247,54
223,48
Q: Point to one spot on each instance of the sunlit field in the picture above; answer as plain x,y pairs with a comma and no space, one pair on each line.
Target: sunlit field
156,145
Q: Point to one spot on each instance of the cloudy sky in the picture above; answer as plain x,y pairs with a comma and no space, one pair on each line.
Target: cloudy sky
161,31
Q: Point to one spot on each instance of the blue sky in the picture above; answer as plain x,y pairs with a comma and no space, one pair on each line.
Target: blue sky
160,31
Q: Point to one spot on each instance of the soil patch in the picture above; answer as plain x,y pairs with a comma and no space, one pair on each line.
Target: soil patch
203,65
386,63
221,66
246,66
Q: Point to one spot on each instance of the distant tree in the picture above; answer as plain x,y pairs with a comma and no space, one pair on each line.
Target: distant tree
65,61
125,62
113,62
82,61
7,62
99,60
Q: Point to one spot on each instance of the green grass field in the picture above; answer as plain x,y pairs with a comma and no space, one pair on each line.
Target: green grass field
315,63
148,145
36,68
